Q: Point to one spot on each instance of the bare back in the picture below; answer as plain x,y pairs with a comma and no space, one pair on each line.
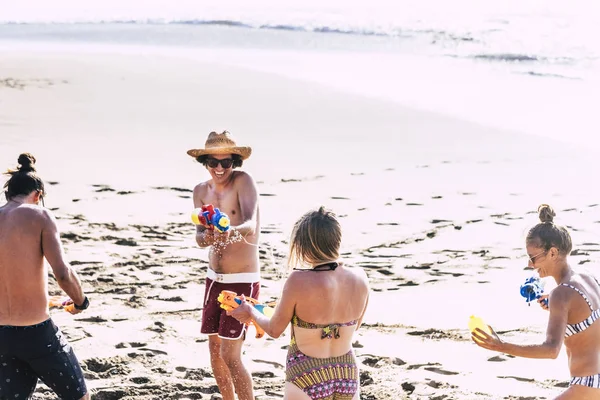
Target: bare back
329,297
23,277
583,348
237,256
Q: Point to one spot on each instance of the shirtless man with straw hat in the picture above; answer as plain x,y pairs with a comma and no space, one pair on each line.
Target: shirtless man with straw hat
233,257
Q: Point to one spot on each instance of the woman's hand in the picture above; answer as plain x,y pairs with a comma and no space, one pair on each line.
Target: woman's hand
487,341
543,301
243,312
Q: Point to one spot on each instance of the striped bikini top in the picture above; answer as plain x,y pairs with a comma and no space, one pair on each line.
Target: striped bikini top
583,325
330,331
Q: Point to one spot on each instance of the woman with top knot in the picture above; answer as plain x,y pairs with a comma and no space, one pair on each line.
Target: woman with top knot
574,307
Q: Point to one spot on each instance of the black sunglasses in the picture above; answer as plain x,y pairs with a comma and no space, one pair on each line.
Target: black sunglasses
225,163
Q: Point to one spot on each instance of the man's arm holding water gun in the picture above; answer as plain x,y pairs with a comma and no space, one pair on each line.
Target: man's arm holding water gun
66,277
555,332
248,199
204,237
284,311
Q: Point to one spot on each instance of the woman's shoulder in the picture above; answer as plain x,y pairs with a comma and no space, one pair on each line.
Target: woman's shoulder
357,274
357,271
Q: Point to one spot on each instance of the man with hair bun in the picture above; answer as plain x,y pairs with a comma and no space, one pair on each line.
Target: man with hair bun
574,307
31,345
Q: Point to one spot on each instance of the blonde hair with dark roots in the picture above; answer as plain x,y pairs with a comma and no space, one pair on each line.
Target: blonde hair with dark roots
316,238
546,234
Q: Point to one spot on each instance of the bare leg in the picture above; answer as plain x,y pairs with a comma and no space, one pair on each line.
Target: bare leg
579,392
220,369
231,353
86,396
293,392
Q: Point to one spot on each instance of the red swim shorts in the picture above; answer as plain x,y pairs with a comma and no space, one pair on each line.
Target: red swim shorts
215,320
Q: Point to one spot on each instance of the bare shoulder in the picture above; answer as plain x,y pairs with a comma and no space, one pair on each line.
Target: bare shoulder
295,283
200,192
561,295
295,279
201,188
358,274
47,216
43,217
243,179
34,211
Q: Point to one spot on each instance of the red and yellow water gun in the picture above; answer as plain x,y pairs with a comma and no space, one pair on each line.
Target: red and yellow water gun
229,300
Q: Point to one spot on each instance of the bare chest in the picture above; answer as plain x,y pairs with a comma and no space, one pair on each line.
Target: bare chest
228,203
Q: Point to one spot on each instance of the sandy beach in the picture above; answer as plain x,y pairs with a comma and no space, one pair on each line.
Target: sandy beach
435,209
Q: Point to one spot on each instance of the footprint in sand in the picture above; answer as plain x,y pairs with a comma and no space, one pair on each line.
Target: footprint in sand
372,361
140,379
102,368
96,320
105,189
440,385
273,363
126,242
135,302
110,394
417,366
78,334
523,398
197,374
440,371
432,333
518,378
365,378
263,374
127,345
379,362
408,387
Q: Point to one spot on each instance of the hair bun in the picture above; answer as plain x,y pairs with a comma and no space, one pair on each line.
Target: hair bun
26,163
546,213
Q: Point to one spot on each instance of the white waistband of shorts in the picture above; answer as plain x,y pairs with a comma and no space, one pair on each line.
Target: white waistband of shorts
243,277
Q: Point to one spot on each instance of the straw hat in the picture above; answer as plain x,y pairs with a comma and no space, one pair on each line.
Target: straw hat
221,143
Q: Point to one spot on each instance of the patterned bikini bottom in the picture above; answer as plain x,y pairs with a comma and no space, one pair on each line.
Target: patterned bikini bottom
334,378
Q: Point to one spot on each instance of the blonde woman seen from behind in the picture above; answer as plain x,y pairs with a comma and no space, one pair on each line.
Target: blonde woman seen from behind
325,301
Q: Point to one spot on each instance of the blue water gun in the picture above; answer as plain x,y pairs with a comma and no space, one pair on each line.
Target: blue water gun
220,221
532,290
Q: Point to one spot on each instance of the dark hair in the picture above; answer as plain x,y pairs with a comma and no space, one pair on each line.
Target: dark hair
23,180
237,160
316,238
546,234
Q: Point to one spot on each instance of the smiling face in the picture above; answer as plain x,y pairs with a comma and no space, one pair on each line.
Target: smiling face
538,259
220,167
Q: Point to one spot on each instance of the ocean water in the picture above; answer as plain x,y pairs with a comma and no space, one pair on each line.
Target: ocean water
527,66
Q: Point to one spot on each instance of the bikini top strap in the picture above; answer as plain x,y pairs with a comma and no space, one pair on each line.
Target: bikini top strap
329,330
581,293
